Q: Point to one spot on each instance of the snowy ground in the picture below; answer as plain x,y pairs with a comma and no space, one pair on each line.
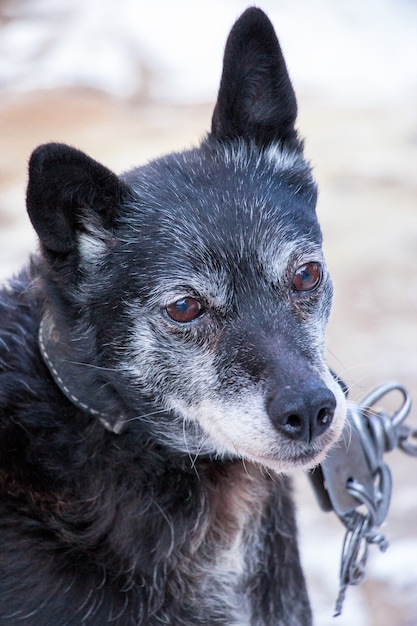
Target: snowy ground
127,81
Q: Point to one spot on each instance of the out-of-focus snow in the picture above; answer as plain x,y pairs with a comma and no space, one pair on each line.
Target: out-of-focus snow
398,566
357,51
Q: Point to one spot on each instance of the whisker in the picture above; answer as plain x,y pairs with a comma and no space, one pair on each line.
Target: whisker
94,367
144,416
190,456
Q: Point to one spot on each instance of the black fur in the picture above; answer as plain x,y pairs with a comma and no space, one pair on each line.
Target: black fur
74,181
256,96
146,515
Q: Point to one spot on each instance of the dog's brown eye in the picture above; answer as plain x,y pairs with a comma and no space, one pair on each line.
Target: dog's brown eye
184,310
307,277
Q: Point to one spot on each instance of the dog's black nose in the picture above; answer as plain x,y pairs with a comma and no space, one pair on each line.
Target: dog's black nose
302,414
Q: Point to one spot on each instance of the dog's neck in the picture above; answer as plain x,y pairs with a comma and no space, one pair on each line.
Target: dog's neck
69,375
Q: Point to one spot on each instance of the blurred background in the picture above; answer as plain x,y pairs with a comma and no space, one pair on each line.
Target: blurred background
129,80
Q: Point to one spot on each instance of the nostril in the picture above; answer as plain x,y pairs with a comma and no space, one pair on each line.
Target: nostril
323,421
325,417
293,422
294,425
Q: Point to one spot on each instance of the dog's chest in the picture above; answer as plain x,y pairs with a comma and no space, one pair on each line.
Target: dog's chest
231,542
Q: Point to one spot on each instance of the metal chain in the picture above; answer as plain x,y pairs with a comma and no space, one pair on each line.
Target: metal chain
358,482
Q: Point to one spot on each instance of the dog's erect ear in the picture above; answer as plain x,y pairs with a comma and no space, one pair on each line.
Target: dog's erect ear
65,188
256,100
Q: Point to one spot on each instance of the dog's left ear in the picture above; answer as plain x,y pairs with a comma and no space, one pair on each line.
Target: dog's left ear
256,100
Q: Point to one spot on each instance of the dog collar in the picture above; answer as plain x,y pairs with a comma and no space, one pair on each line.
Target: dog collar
70,377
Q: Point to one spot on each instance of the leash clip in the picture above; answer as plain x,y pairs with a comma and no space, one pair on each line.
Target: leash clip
355,482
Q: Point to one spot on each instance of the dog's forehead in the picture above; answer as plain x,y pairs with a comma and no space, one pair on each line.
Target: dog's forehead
220,207
254,189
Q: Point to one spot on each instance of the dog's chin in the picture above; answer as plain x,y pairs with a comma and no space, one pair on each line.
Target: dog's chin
305,460
280,461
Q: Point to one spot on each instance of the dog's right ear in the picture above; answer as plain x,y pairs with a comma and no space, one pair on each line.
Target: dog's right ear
256,100
66,191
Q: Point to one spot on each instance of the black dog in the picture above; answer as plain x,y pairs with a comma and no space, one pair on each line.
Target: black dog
161,367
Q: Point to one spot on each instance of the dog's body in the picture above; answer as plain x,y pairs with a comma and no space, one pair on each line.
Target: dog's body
161,365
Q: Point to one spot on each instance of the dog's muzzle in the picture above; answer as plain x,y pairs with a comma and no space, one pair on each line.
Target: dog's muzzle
302,414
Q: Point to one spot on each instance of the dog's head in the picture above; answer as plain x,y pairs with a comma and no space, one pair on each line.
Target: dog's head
188,299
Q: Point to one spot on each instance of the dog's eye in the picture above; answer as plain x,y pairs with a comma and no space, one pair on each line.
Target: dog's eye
184,310
307,277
